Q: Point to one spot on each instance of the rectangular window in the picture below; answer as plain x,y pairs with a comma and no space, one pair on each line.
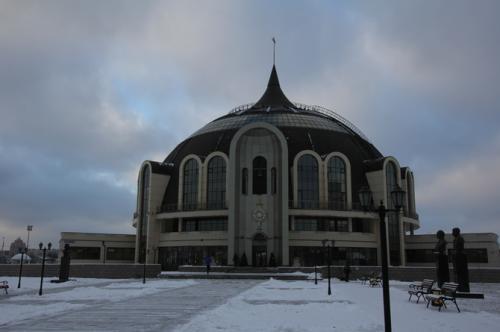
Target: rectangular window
322,224
204,225
171,257
473,255
361,225
85,253
169,226
420,256
306,224
120,254
341,225
189,225
310,256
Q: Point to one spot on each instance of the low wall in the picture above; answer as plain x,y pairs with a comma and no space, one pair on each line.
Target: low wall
417,273
113,271
407,273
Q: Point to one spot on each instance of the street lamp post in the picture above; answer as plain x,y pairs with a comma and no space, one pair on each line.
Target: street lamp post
397,196
104,252
20,269
49,245
328,244
29,228
315,274
146,252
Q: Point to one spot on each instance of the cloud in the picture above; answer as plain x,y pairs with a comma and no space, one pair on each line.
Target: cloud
90,89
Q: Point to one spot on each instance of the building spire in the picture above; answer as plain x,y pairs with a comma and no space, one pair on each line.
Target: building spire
273,96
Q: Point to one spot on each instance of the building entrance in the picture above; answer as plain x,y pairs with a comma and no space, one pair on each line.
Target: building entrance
259,257
259,250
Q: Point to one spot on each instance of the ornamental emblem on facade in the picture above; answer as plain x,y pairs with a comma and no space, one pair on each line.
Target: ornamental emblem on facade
259,215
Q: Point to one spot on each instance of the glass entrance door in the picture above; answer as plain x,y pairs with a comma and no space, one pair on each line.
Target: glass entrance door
259,256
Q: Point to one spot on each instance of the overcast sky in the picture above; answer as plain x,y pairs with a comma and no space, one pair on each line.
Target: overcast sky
90,89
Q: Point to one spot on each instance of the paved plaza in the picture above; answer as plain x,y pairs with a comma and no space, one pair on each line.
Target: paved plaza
232,305
161,311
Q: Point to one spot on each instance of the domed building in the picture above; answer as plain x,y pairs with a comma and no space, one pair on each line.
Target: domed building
266,183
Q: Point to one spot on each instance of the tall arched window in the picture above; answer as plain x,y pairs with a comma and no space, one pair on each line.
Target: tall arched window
273,181
308,183
216,183
410,194
244,181
393,221
337,186
190,185
143,226
259,181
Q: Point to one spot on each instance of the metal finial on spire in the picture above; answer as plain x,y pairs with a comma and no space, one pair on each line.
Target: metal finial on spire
274,51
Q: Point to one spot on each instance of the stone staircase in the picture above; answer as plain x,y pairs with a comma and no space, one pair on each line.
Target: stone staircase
230,272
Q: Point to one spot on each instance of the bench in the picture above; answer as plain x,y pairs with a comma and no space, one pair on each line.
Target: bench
375,280
366,278
4,285
420,289
447,293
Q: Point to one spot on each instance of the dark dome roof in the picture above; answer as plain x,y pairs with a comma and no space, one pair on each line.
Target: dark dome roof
304,127
293,118
275,108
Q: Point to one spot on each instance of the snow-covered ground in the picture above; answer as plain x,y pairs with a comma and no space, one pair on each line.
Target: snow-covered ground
29,284
291,306
302,306
25,303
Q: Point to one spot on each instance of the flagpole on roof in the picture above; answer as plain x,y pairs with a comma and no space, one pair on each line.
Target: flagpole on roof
274,51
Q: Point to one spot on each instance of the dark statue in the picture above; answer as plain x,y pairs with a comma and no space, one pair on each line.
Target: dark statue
347,271
442,269
460,262
65,263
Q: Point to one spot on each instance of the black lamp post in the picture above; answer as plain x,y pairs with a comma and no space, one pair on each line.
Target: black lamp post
146,252
49,245
21,269
397,196
328,244
29,228
315,273
104,252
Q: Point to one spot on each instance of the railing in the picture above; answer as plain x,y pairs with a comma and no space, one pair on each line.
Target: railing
316,205
332,114
241,108
194,207
311,108
411,215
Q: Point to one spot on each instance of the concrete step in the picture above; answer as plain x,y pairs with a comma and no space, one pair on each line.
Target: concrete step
221,275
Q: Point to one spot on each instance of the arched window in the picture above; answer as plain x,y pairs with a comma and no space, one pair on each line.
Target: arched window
391,181
308,183
190,185
410,194
259,181
143,226
393,222
337,186
216,183
273,181
244,181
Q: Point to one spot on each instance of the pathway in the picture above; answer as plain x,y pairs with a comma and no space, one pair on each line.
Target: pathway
162,311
